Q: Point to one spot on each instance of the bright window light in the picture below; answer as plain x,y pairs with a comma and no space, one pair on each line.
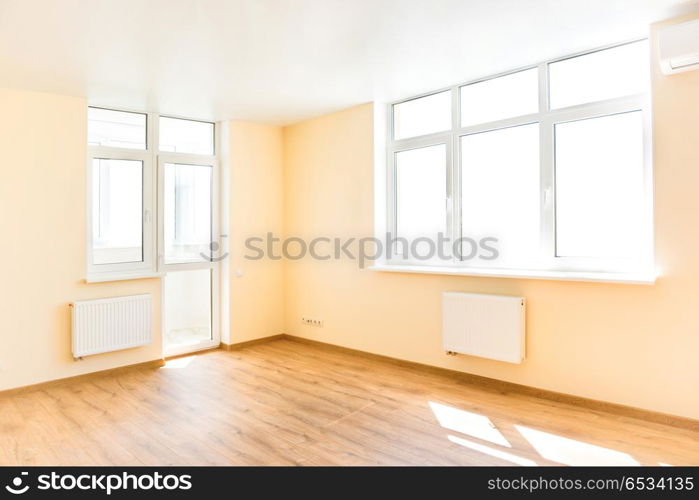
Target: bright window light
599,186
187,205
568,451
421,116
421,192
118,129
186,136
466,422
148,208
493,452
178,363
500,192
187,301
511,95
117,208
605,74
545,189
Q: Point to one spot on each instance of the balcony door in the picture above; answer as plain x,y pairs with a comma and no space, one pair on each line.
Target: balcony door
187,242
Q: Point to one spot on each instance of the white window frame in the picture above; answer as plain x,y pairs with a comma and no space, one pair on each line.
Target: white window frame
214,267
186,159
153,238
104,272
547,119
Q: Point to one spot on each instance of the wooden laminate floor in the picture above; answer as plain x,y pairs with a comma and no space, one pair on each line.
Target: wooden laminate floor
288,403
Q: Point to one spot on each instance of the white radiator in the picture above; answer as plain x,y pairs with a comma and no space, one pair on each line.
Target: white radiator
487,326
104,325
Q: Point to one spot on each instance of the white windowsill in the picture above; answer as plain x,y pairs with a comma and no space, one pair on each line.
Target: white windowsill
104,277
623,278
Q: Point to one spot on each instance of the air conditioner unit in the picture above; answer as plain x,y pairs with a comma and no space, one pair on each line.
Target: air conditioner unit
678,47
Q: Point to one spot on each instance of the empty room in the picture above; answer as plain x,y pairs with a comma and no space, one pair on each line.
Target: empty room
349,233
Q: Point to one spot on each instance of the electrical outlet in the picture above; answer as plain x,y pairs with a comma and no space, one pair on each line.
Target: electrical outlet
312,321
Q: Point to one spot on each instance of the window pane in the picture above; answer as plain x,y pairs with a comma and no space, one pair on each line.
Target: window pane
498,98
500,192
187,204
117,211
599,186
186,136
118,129
421,182
425,115
187,307
605,74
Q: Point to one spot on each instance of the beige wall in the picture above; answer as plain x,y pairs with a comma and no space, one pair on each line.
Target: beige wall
254,163
42,223
629,344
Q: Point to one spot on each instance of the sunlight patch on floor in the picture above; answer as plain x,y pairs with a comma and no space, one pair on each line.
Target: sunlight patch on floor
179,362
552,447
572,452
487,450
466,422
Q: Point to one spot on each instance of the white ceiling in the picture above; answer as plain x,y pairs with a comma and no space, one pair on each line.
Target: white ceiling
281,61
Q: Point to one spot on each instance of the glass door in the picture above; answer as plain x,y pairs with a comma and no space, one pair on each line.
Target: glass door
188,230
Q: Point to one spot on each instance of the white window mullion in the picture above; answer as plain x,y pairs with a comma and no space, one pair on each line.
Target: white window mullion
496,125
546,149
153,146
648,240
390,176
548,195
149,202
449,189
455,180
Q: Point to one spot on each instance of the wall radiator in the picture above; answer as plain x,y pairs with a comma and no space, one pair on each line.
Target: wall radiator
111,324
487,326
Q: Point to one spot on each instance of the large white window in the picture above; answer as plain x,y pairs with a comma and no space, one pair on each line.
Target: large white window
551,165
134,160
